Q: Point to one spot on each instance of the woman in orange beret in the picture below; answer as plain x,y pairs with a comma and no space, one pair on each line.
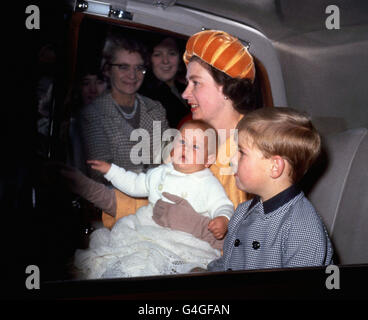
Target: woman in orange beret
220,75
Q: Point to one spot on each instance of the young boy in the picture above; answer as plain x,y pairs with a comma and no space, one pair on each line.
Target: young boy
279,228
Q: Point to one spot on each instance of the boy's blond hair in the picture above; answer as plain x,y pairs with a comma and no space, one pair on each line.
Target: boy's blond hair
284,132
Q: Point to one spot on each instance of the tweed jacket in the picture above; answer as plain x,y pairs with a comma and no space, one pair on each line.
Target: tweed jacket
106,135
284,231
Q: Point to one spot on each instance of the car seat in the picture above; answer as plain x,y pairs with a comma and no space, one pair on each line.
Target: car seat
337,185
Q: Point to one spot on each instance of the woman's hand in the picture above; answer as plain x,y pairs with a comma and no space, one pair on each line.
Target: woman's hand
99,165
181,216
218,227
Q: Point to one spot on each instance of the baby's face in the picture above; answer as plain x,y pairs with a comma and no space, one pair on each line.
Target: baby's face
190,150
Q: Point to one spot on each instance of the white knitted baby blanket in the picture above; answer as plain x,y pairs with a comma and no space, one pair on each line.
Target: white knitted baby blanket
137,246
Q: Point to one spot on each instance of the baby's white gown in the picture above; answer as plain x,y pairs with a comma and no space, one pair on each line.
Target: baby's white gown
137,246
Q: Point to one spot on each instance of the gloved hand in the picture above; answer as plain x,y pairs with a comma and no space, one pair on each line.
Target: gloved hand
76,182
181,216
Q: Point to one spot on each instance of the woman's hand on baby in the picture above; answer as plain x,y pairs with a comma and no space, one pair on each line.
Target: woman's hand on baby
99,165
181,216
218,227
178,216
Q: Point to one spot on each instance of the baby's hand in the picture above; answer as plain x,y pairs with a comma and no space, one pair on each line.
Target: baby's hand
99,165
218,226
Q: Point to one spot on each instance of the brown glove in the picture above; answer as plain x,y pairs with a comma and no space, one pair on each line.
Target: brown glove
181,216
100,195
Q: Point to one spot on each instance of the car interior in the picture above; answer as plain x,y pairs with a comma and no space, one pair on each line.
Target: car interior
300,65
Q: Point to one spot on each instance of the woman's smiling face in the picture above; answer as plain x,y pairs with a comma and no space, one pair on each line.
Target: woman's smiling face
204,95
129,80
165,60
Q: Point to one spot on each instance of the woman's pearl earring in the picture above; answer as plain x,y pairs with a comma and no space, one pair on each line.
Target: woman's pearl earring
226,98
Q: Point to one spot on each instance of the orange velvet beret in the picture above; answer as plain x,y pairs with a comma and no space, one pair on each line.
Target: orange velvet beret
222,51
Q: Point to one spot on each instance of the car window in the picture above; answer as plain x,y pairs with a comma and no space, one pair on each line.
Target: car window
69,62
86,43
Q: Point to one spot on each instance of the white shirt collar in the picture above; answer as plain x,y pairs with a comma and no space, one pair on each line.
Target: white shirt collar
199,174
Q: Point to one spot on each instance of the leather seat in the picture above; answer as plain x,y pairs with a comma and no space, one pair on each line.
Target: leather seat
337,185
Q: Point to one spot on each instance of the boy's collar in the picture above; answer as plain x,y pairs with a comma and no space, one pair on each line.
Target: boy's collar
278,200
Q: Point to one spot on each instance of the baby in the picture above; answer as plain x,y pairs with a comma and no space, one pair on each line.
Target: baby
137,245
186,175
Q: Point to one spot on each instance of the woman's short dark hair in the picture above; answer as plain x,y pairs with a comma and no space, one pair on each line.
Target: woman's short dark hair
240,91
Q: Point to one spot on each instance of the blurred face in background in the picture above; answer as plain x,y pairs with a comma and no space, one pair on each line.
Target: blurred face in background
165,60
92,86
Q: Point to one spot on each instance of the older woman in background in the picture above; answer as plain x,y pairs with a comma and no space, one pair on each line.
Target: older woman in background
108,122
